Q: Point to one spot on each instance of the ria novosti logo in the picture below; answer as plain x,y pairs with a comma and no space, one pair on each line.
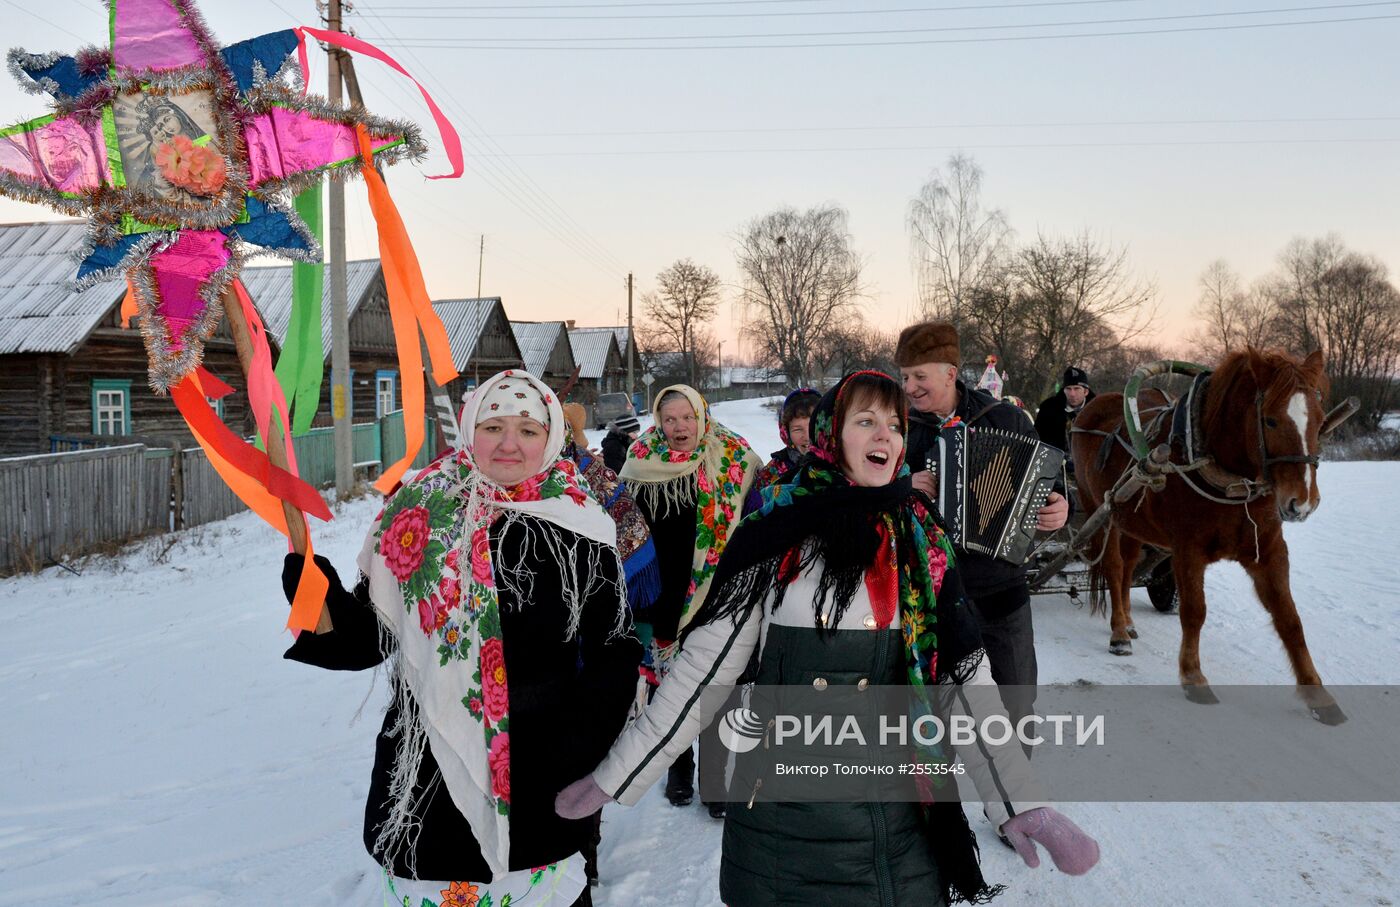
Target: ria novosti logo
740,729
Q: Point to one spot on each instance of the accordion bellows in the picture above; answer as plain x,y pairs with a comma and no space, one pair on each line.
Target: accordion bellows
991,485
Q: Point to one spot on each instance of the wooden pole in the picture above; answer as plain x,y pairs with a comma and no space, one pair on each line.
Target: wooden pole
276,446
342,394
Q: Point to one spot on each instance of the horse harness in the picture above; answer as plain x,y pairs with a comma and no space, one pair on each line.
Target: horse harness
1187,435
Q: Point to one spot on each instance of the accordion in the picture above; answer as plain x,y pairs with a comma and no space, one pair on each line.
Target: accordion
991,485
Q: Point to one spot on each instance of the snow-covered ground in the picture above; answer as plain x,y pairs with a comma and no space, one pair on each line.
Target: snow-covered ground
157,749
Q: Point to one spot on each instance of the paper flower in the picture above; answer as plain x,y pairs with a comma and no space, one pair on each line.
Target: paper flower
194,168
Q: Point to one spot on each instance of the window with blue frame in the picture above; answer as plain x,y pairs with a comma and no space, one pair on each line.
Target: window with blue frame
111,406
386,385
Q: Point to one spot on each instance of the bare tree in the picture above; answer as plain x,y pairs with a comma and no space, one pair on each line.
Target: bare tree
851,345
1230,316
1056,302
1342,303
800,279
681,310
955,245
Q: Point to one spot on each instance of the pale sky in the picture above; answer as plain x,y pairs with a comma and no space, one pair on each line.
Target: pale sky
649,141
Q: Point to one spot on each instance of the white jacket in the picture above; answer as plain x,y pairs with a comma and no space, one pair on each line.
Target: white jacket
703,672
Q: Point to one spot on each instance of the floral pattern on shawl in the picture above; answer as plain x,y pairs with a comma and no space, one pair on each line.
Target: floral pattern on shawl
719,493
441,557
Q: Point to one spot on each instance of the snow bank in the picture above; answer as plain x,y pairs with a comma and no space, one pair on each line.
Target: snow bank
158,750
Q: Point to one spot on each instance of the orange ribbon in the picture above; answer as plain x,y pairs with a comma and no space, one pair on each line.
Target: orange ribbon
410,311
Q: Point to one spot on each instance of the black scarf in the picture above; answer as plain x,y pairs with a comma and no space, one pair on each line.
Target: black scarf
817,513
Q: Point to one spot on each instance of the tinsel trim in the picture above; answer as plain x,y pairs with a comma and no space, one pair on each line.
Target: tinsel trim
141,250
280,203
167,367
19,59
13,186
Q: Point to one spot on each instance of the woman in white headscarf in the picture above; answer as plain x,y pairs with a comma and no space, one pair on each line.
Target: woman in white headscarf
492,579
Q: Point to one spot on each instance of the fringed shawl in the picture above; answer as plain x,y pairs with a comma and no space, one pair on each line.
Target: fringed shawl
714,477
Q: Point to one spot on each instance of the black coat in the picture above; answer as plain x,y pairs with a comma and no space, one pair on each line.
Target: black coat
988,581
1053,419
615,450
673,534
568,701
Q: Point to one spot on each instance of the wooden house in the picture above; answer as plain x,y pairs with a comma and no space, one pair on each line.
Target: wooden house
481,339
68,369
545,347
375,383
601,367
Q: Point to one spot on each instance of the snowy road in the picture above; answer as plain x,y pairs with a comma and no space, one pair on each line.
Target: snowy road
158,750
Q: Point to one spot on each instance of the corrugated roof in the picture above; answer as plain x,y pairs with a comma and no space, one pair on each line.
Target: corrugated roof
591,350
619,332
537,340
271,289
464,320
39,312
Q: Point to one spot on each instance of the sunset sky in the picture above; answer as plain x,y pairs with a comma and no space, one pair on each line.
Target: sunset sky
605,137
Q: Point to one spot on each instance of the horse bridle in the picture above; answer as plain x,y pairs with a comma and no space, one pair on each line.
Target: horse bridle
1266,462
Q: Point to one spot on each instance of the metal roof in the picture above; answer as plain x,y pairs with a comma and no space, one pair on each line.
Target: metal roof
464,320
591,350
39,311
619,332
271,289
537,340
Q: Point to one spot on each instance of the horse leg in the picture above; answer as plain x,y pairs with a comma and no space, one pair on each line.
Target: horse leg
1111,569
1129,550
1189,568
1270,576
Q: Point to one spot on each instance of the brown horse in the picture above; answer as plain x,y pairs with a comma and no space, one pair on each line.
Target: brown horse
1260,423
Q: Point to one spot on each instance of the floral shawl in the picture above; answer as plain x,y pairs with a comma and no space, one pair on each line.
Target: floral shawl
715,476
886,539
435,589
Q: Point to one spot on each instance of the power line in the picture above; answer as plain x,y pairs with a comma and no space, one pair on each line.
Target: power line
399,14
1129,20
494,180
907,127
518,191
976,146
915,41
527,183
50,22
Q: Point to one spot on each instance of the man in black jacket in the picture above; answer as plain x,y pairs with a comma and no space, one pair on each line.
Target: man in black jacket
1056,415
928,356
621,433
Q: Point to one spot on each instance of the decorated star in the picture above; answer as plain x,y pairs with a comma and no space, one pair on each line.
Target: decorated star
184,157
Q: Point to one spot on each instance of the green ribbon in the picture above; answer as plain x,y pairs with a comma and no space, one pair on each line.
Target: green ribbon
299,368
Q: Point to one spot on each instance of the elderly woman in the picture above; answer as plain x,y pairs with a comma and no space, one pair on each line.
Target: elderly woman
689,475
843,574
492,583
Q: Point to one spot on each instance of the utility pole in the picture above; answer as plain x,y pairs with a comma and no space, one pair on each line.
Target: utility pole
631,344
341,392
480,261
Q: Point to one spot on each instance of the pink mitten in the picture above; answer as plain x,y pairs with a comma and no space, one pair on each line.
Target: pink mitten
583,798
1073,851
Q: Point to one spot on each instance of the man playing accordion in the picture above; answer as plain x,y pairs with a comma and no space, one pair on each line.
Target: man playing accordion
928,356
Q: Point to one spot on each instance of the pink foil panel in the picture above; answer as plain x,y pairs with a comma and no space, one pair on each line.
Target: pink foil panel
150,34
282,143
181,272
64,155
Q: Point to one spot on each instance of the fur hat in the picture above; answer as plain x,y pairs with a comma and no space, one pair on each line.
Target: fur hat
1074,375
929,341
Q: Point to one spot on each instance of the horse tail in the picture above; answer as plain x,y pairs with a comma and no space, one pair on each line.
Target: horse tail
1098,581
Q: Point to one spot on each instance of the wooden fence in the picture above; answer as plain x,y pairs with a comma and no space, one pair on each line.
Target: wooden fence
61,505
55,506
